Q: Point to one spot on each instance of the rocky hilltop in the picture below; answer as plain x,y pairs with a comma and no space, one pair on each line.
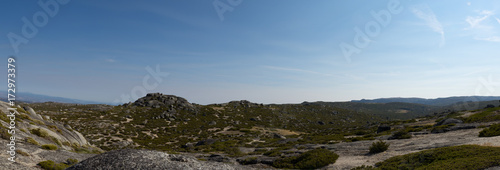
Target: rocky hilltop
157,100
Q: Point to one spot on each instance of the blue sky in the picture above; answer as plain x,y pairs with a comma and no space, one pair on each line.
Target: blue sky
265,51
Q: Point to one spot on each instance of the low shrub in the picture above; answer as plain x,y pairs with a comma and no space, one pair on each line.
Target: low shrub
55,140
22,152
51,165
401,135
378,147
49,147
312,159
493,130
39,132
48,164
273,153
71,162
441,128
38,122
32,141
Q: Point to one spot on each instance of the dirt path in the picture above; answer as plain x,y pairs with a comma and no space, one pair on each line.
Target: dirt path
353,154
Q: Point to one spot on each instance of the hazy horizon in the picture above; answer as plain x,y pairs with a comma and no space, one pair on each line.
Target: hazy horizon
261,51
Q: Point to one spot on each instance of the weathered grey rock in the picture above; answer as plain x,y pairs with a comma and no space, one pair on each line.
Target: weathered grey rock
188,145
147,160
449,121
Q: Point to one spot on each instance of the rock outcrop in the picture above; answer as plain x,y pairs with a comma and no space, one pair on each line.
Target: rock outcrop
148,160
28,120
449,121
157,100
32,130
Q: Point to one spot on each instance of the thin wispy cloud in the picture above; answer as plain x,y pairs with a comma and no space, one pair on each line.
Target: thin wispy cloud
482,26
475,21
425,13
110,60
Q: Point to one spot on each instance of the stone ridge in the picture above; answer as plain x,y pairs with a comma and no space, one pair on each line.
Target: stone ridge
148,160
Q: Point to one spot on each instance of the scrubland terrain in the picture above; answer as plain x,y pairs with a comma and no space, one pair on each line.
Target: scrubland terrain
243,135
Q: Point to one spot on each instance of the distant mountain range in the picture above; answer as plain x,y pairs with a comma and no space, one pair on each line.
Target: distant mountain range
353,105
432,102
37,98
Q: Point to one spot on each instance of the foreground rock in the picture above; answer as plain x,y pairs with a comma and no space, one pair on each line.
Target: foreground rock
150,160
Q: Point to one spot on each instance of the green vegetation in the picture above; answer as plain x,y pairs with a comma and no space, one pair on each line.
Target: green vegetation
402,134
71,161
22,152
274,152
51,165
487,115
455,157
312,159
32,141
55,140
47,165
39,132
314,123
4,117
49,147
378,147
55,128
493,130
441,128
38,122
